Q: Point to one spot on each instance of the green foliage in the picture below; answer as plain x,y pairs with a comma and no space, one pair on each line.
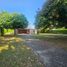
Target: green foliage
55,31
19,21
58,31
52,15
8,31
5,19
12,20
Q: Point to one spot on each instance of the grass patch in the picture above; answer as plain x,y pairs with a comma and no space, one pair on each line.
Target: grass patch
8,31
13,53
59,40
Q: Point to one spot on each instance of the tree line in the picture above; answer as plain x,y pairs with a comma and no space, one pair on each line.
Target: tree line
52,15
12,21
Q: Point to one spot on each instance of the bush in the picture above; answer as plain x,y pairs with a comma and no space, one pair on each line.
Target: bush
55,31
44,30
59,31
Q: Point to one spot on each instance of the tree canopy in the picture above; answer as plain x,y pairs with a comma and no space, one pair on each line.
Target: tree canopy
19,21
5,19
12,20
52,15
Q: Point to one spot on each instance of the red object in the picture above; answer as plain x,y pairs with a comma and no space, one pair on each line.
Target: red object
23,31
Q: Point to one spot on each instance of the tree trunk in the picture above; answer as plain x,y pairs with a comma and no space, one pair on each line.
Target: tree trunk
15,32
2,31
7,30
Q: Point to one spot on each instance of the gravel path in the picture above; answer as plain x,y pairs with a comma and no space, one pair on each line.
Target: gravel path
50,56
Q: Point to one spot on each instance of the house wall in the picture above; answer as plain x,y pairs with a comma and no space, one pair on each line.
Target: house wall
23,31
26,31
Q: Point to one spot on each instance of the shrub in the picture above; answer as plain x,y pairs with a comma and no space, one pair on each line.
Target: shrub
59,31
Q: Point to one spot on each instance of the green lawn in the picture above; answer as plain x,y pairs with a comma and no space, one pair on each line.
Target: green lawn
59,40
8,31
14,53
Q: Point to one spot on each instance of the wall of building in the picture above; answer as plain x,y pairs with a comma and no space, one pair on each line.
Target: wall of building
26,31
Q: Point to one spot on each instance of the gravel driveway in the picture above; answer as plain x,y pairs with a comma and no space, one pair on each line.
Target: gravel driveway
50,56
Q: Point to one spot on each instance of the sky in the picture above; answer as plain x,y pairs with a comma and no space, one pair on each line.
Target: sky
26,7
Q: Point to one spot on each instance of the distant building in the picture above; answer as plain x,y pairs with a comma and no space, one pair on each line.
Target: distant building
26,31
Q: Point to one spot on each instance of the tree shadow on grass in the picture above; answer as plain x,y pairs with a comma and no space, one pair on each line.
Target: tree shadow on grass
13,53
9,43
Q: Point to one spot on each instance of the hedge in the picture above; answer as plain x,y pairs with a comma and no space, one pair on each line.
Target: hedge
59,31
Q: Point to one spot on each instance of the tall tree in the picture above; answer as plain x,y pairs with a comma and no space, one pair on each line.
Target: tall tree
53,14
12,20
18,21
4,21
